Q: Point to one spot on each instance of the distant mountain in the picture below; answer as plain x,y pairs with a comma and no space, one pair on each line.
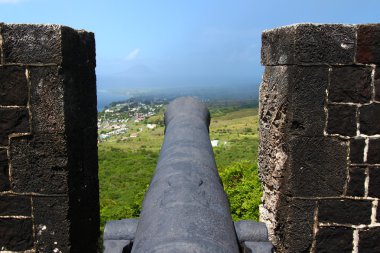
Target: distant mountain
206,93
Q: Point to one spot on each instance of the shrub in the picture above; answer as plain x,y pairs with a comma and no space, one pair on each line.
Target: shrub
243,188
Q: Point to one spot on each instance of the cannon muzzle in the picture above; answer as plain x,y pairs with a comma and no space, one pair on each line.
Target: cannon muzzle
185,208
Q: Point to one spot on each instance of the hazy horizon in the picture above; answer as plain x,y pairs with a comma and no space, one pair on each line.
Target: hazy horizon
211,92
173,44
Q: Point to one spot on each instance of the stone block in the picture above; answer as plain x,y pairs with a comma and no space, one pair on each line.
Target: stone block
334,239
345,211
295,225
80,99
39,164
53,233
11,205
81,134
278,46
4,173
78,48
355,185
32,44
374,182
310,44
13,86
368,44
325,43
13,120
357,146
307,91
341,120
47,99
274,97
1,49
297,96
16,234
377,84
316,167
370,119
84,214
369,240
47,44
373,156
58,157
352,84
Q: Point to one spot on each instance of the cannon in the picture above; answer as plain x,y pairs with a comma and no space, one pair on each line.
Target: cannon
185,208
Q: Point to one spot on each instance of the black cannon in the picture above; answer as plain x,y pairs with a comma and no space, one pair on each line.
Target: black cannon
185,208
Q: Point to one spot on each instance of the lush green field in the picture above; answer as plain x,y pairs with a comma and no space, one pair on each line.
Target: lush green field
126,165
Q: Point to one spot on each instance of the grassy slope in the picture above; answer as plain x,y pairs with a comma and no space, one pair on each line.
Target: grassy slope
125,167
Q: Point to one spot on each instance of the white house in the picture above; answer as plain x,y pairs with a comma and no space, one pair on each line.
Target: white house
214,143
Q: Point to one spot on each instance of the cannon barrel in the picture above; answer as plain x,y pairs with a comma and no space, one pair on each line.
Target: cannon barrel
185,208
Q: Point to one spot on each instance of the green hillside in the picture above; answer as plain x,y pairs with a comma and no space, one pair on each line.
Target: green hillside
127,163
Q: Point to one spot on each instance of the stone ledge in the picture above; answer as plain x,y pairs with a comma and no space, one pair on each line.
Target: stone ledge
46,44
309,44
334,44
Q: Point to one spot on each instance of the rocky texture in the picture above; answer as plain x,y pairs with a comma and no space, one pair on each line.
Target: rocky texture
16,234
13,86
357,146
49,236
4,170
295,221
350,84
334,239
319,136
309,44
341,119
377,84
48,152
39,164
374,182
12,205
356,182
314,167
369,119
373,151
369,240
345,211
368,44
13,121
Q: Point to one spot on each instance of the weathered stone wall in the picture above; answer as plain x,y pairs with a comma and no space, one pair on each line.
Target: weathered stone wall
48,150
320,137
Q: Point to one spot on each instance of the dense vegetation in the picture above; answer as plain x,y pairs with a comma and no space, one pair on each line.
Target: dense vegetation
126,165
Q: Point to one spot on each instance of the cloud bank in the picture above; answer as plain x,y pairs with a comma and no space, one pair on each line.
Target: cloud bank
9,1
133,54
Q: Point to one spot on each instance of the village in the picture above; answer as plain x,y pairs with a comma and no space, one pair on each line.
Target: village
121,118
126,120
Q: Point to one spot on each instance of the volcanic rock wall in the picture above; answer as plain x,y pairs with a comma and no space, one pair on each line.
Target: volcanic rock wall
48,151
320,137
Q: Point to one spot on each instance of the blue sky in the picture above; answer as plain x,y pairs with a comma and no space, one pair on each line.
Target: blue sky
174,43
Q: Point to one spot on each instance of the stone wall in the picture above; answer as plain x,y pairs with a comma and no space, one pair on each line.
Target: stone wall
48,150
320,137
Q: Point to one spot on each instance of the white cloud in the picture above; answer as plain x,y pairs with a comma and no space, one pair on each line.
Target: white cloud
133,54
9,1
